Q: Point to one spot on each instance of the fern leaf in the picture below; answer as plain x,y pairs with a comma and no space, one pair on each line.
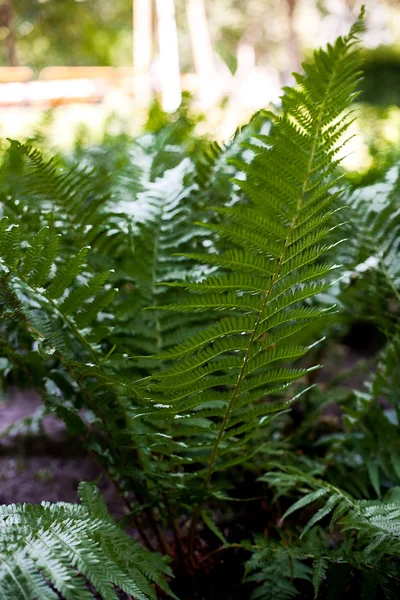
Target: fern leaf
67,273
208,520
69,544
75,196
308,499
322,512
319,570
278,235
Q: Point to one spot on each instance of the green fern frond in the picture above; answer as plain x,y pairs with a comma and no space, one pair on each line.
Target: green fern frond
371,286
60,307
279,235
43,286
275,571
163,210
72,199
69,545
319,570
378,522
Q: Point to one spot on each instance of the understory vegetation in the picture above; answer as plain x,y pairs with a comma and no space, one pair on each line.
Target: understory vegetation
173,301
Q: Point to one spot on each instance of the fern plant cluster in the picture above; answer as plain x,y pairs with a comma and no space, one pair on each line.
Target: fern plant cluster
172,300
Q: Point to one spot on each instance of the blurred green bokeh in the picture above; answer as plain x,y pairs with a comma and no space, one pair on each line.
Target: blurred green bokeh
41,33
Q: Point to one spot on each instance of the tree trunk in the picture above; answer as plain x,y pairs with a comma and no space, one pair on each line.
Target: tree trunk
203,55
169,69
293,60
142,50
7,18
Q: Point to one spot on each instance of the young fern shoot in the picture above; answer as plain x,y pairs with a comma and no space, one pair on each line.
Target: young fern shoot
217,391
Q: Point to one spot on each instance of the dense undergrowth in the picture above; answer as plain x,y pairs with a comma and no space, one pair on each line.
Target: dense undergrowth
172,300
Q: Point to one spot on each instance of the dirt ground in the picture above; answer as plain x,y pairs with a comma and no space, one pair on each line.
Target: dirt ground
48,465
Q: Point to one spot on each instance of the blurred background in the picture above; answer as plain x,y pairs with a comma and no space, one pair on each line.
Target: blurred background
87,68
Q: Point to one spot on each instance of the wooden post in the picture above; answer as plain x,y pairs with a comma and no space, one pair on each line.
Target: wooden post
142,50
169,68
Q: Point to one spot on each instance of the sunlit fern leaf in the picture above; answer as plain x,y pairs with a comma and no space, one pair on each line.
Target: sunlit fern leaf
283,227
69,545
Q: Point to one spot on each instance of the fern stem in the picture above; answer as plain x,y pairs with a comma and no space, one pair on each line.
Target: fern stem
143,535
162,541
175,530
234,546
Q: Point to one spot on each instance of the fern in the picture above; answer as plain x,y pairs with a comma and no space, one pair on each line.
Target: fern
60,307
377,521
69,545
373,428
73,200
276,570
369,290
319,570
187,371
163,211
42,286
225,373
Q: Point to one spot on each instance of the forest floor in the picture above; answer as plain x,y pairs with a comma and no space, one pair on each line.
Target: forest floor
46,464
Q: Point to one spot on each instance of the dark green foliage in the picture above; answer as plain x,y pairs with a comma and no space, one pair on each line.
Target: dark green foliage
167,296
381,77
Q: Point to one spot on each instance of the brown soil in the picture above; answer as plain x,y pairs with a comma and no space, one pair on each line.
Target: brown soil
44,465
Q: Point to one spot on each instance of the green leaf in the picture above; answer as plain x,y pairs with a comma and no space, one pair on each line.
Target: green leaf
319,570
373,472
308,499
208,520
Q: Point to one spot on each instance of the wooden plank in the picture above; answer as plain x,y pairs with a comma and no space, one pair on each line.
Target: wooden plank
57,73
15,74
